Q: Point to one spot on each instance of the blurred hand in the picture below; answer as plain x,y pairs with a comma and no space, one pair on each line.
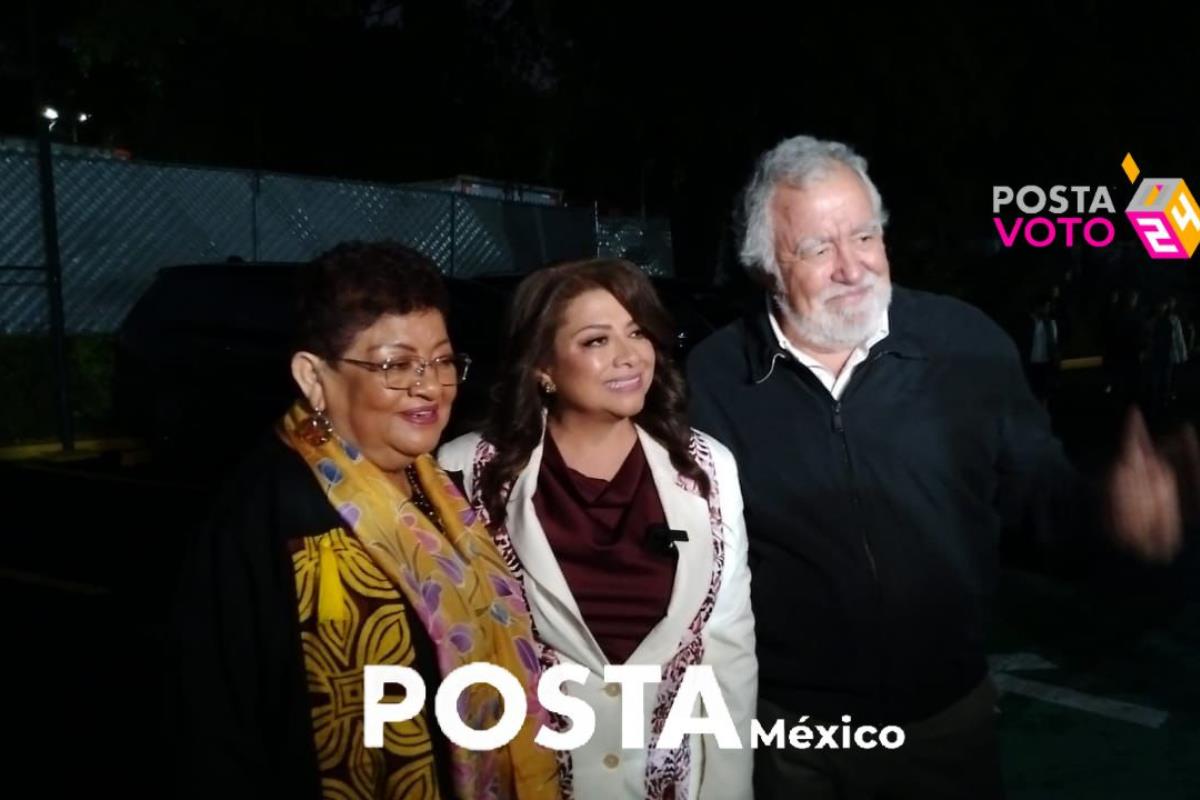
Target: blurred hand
1144,499
1182,452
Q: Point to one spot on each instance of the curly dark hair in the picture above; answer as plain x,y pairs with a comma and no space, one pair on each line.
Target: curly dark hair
345,290
514,425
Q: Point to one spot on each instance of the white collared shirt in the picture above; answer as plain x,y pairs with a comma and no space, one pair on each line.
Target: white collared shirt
834,383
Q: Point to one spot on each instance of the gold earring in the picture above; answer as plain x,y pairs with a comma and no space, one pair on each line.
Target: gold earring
316,429
548,386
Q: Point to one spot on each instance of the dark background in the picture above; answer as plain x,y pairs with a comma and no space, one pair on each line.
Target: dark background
648,107
643,108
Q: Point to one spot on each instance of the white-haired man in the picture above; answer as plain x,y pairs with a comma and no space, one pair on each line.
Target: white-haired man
885,437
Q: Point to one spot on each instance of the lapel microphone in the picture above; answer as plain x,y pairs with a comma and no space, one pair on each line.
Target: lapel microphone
661,538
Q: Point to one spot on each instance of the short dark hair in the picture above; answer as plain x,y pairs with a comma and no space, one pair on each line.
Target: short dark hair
345,290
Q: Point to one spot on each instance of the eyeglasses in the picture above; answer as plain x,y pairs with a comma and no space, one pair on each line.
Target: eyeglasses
404,373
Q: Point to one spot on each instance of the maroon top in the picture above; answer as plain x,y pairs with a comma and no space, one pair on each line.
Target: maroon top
597,530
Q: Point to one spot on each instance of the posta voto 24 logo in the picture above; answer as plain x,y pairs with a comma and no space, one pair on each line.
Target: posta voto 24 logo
1162,211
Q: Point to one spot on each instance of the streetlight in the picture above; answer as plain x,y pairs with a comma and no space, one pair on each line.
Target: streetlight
78,118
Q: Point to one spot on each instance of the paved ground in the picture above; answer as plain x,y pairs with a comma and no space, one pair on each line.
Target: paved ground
1065,731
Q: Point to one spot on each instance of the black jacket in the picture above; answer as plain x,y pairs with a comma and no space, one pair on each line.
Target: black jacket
874,521
241,711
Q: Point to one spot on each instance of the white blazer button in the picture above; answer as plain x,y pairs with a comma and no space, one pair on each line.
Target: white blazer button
612,689
611,761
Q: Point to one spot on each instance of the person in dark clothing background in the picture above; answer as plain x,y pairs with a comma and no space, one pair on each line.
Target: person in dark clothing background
885,437
1041,349
1166,351
1130,349
1110,329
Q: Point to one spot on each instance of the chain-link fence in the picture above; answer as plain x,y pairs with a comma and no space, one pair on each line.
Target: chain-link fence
119,222
646,243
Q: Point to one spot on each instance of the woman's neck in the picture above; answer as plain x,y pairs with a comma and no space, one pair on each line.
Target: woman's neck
399,479
594,446
394,468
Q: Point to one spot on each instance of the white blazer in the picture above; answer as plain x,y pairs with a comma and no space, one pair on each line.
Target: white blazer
601,768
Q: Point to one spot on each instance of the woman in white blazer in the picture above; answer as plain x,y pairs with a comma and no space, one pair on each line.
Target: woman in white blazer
624,525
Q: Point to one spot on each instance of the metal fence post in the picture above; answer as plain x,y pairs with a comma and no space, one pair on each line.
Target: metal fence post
58,333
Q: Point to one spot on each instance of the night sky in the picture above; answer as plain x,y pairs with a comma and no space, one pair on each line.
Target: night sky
634,105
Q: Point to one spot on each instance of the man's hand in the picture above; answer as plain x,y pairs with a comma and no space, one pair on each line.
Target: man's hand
1144,494
1182,452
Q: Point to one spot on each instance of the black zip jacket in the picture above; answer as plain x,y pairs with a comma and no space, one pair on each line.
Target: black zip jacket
874,520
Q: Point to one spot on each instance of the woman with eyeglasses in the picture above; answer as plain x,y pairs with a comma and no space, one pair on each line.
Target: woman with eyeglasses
625,524
340,543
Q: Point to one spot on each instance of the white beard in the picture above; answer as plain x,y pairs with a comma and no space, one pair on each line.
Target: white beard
834,329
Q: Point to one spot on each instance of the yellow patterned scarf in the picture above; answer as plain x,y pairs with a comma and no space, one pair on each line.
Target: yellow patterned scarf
461,590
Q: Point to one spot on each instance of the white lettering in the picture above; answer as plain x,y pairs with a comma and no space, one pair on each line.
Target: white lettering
895,733
772,738
1058,199
633,679
699,683
1101,201
1024,205
375,712
1001,196
445,706
555,700
1185,213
